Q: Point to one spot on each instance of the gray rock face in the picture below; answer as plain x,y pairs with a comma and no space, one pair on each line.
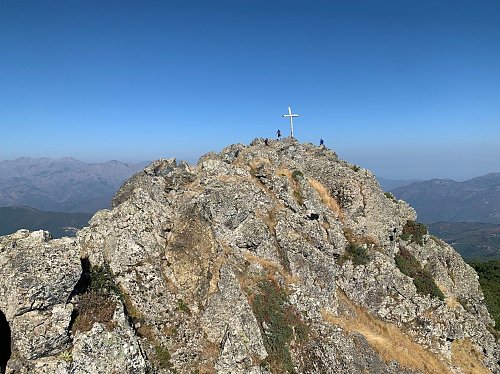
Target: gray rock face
37,276
261,259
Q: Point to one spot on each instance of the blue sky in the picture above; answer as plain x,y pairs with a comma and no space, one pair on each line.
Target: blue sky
408,89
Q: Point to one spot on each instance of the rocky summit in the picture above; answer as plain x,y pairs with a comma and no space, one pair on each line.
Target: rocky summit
267,258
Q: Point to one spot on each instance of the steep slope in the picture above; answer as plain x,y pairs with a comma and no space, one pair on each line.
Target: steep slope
262,259
62,185
474,200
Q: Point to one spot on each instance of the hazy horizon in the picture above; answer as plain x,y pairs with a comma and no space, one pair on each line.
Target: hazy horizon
370,161
408,90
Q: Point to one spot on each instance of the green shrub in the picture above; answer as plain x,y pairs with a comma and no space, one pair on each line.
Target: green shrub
98,301
102,281
422,279
489,279
356,168
356,253
181,305
297,174
282,322
390,196
414,232
163,357
297,194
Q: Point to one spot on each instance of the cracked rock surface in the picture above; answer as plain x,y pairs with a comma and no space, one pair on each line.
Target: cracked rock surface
260,259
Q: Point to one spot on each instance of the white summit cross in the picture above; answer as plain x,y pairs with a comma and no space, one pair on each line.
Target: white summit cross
291,119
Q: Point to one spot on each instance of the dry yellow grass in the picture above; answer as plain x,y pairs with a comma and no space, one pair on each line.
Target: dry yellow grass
467,358
452,302
269,217
386,339
282,171
257,162
209,354
271,267
327,199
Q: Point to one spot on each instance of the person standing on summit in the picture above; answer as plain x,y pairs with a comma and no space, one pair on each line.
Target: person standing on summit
278,134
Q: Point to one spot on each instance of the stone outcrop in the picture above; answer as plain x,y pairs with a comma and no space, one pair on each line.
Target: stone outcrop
261,259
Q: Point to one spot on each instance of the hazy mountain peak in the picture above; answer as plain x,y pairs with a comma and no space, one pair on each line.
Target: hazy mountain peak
64,184
473,200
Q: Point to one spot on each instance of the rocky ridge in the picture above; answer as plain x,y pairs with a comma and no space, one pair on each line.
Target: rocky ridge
261,259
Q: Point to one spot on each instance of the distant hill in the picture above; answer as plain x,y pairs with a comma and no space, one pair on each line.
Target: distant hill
59,224
389,184
473,240
62,185
474,200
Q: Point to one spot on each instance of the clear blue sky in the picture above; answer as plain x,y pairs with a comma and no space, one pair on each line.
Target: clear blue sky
408,89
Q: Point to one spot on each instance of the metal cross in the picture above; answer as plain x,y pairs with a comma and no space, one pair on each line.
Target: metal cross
291,119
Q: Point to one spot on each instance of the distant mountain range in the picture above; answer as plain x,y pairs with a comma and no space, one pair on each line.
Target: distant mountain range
472,240
62,185
390,184
59,224
474,200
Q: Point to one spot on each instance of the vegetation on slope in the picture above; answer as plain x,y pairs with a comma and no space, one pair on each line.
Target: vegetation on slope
422,279
387,339
489,278
356,253
414,232
97,303
281,324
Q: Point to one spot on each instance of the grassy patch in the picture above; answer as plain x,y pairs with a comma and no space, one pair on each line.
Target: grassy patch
422,279
467,357
356,253
98,303
386,339
414,232
489,279
326,197
94,307
294,178
163,357
102,281
297,193
357,249
280,323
